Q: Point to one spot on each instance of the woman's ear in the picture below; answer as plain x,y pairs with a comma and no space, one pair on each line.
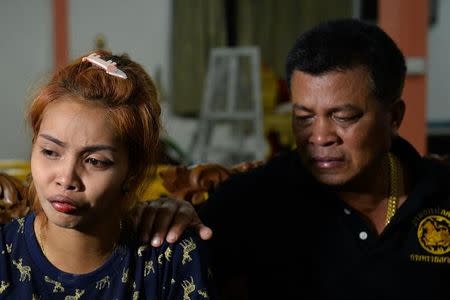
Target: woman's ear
397,110
127,185
128,195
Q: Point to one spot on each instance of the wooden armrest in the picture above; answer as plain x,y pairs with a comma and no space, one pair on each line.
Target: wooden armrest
193,183
12,202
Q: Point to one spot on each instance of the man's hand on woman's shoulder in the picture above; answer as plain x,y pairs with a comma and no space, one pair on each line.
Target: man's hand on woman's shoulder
167,219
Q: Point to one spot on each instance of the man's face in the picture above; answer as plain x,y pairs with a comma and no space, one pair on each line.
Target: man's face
341,130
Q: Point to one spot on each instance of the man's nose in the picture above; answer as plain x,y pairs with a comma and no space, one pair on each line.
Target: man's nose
323,133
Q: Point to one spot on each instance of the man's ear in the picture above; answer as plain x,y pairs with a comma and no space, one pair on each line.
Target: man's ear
397,111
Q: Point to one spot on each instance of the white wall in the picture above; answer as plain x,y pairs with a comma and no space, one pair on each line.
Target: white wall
140,28
25,56
438,95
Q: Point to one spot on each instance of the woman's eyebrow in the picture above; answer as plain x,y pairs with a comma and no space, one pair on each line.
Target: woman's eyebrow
52,139
90,148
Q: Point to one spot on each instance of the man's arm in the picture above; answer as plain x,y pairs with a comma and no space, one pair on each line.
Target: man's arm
168,218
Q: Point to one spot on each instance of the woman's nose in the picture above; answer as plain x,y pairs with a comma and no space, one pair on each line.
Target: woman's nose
68,176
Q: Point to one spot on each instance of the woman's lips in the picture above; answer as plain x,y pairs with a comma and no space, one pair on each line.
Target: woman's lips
63,207
63,204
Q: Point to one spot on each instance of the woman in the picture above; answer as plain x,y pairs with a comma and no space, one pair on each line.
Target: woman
95,133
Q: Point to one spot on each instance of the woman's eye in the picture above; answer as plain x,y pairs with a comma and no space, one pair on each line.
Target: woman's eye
98,163
49,153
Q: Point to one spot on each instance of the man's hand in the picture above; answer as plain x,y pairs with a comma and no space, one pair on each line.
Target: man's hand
167,218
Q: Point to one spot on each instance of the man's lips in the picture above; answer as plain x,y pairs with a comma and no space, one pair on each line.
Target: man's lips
327,162
63,204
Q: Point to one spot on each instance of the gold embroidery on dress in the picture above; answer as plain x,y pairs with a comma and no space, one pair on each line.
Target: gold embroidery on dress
25,271
78,294
160,258
102,283
141,249
168,254
188,287
21,222
57,285
3,286
125,275
35,297
8,248
203,293
136,295
188,247
148,267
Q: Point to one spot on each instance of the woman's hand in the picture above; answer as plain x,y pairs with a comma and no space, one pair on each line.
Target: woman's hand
167,218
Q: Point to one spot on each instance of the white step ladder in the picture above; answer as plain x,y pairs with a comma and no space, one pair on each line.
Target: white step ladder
231,95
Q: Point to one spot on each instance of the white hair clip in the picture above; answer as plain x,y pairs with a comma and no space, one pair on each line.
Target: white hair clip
109,66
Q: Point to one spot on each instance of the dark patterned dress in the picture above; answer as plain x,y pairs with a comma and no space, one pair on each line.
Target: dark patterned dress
172,271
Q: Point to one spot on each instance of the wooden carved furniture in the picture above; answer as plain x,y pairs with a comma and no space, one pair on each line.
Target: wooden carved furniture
12,200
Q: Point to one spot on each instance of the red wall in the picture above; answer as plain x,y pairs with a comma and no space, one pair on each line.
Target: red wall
406,21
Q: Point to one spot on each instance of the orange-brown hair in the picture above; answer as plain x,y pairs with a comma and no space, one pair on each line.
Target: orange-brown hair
132,106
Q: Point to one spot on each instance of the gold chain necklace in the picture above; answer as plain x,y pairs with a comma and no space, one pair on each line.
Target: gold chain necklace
394,172
42,244
40,239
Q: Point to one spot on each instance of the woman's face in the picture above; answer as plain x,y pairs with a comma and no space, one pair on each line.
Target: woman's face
78,165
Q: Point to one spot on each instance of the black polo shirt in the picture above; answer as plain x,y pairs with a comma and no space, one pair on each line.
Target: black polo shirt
289,237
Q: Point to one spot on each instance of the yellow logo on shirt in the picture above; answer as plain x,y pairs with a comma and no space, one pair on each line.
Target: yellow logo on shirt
433,234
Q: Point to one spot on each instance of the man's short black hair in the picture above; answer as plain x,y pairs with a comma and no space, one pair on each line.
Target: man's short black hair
344,44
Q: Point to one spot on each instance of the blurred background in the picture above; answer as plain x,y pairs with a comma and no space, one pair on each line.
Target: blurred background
173,40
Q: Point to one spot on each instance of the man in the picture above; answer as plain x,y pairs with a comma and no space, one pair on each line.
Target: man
355,212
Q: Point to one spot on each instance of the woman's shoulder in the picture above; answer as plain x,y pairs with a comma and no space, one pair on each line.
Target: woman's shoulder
15,228
187,253
13,246
189,241
181,266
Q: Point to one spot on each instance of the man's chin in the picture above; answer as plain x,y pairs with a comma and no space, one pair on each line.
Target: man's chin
332,180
